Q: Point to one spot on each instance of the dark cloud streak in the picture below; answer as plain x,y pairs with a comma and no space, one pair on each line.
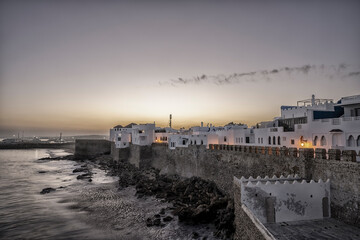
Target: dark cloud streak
255,76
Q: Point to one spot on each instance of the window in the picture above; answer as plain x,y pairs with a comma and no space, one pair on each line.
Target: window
292,141
322,141
119,138
183,141
247,139
202,142
269,140
261,140
279,140
195,142
358,141
274,140
315,141
241,140
225,139
351,141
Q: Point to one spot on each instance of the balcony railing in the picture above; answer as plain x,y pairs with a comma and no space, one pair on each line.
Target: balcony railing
335,121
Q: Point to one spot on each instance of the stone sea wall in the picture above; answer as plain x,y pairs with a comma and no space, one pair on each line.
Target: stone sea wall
221,163
88,148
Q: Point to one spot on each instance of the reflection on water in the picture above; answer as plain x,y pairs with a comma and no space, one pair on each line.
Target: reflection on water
25,213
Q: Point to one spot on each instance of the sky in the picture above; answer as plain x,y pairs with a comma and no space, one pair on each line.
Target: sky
83,66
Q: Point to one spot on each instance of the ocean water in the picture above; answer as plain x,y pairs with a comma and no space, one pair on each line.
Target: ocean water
27,214
78,209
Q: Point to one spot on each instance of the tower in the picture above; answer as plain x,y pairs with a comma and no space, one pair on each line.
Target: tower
170,120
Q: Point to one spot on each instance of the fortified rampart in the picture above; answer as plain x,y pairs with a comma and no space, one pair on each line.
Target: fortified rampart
85,148
220,163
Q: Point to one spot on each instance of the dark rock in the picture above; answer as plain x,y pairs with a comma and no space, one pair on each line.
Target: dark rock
149,222
195,200
167,219
90,180
47,190
157,222
41,171
81,169
162,211
195,235
84,176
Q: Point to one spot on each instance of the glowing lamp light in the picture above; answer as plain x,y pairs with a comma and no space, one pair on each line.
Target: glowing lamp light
302,144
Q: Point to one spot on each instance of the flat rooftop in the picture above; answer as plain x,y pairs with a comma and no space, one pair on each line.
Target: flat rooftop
315,229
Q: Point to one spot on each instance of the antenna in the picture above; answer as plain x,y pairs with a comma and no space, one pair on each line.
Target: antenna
170,120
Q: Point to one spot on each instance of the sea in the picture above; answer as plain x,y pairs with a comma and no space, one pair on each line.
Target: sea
78,209
27,214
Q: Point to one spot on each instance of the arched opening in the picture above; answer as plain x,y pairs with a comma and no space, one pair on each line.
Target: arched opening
191,142
202,142
269,140
325,207
315,140
183,141
351,141
270,209
274,140
358,141
323,141
279,140
195,142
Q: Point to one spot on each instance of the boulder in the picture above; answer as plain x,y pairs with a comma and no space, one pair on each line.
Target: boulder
47,190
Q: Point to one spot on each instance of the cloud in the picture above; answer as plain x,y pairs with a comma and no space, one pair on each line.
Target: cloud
353,74
261,75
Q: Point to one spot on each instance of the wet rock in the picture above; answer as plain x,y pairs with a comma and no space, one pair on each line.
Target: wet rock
162,211
194,199
167,219
47,190
67,157
157,222
81,169
84,176
149,222
195,235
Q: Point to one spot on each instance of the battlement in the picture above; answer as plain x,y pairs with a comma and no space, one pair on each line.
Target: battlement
283,199
290,179
307,153
267,179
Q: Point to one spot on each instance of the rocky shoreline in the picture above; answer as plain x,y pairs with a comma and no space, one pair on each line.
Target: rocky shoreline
193,201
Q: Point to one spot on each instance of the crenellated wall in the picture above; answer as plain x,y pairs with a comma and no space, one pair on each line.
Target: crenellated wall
220,163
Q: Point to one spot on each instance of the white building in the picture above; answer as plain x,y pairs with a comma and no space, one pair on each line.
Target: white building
312,123
318,123
143,134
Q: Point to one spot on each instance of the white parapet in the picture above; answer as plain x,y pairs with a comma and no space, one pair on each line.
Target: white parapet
283,199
